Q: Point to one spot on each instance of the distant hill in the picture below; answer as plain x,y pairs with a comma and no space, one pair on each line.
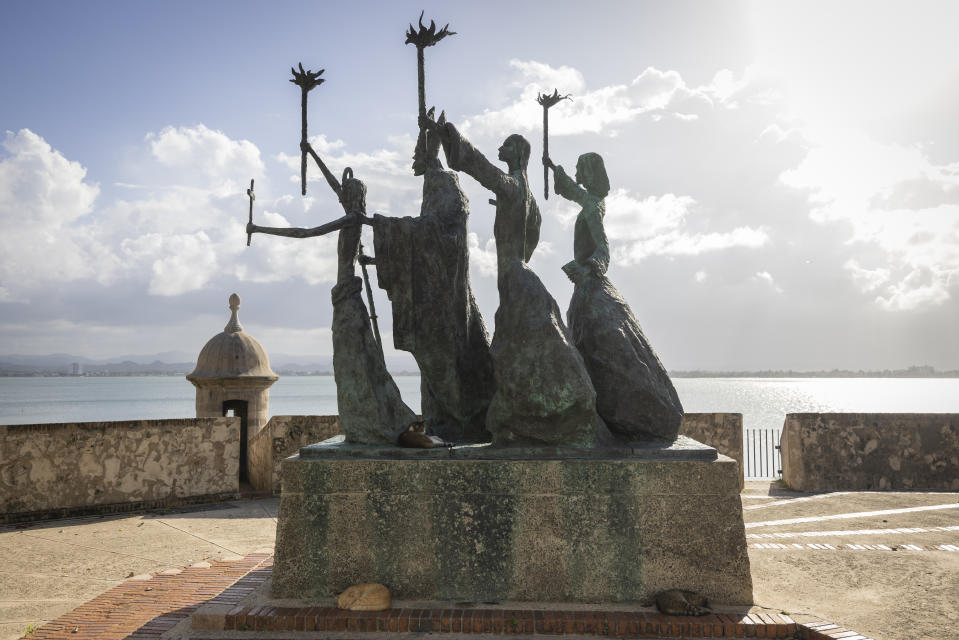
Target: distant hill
180,363
170,363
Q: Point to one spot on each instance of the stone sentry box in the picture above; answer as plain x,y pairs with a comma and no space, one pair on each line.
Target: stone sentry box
613,525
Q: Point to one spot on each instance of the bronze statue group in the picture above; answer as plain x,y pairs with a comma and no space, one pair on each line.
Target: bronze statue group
594,383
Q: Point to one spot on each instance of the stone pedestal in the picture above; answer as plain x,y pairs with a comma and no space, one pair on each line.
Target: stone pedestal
481,524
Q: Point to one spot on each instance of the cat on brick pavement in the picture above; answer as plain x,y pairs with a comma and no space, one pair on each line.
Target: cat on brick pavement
679,602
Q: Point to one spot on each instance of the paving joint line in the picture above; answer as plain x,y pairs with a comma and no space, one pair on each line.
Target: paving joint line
850,532
83,546
850,546
268,514
59,575
857,514
785,501
199,537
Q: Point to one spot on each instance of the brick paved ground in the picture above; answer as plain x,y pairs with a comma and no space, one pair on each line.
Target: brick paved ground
147,606
150,607
882,563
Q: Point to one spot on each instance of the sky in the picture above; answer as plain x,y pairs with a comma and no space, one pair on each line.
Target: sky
785,175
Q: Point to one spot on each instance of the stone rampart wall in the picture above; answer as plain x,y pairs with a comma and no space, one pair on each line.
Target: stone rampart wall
281,438
871,451
70,466
722,431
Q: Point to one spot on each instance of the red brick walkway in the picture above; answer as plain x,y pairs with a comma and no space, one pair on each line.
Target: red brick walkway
148,608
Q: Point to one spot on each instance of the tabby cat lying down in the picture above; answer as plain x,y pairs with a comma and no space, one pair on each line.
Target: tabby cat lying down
677,602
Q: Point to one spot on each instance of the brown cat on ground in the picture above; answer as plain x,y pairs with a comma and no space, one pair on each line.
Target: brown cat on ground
678,602
415,437
364,597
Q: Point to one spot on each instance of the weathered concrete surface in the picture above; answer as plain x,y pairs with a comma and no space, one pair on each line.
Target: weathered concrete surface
723,431
55,466
280,438
52,567
572,530
870,451
889,594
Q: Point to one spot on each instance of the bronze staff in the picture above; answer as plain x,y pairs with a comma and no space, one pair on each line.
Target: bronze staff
423,38
305,80
548,101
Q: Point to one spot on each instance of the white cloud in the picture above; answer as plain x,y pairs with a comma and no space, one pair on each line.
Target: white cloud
630,219
657,225
700,276
206,152
188,268
386,172
482,257
767,278
45,204
921,287
867,279
653,91
175,237
890,197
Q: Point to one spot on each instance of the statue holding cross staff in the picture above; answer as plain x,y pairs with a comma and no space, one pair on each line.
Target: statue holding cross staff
371,409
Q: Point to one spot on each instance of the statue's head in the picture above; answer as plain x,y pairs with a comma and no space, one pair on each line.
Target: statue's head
354,192
426,153
515,152
591,173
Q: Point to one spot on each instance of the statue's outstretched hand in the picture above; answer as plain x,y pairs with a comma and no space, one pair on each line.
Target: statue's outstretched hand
250,228
547,162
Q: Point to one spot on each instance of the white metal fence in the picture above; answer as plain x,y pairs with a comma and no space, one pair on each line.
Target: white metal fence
761,454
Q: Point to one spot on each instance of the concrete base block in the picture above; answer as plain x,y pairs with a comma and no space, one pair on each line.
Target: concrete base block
593,529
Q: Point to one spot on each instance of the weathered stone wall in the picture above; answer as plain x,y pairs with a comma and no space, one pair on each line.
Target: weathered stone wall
281,438
871,451
46,467
722,431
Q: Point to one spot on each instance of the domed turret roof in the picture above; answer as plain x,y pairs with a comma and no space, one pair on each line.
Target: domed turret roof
233,353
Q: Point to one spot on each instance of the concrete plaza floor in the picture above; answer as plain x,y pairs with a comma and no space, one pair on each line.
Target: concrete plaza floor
884,564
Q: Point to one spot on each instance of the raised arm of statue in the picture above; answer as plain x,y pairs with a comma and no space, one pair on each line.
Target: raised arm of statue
565,186
322,230
461,155
330,178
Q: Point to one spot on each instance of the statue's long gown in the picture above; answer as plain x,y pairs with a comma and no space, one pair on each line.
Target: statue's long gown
370,406
634,394
423,264
543,392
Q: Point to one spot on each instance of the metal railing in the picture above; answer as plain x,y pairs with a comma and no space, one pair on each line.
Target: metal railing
761,454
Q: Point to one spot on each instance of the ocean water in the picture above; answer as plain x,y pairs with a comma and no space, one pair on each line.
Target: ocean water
762,401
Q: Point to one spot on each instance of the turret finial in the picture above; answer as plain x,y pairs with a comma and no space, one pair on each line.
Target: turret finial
233,326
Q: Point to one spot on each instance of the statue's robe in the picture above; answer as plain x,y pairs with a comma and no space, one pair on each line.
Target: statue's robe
371,409
543,393
634,394
423,264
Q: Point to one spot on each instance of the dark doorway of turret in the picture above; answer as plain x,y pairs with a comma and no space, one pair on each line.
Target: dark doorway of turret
237,408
